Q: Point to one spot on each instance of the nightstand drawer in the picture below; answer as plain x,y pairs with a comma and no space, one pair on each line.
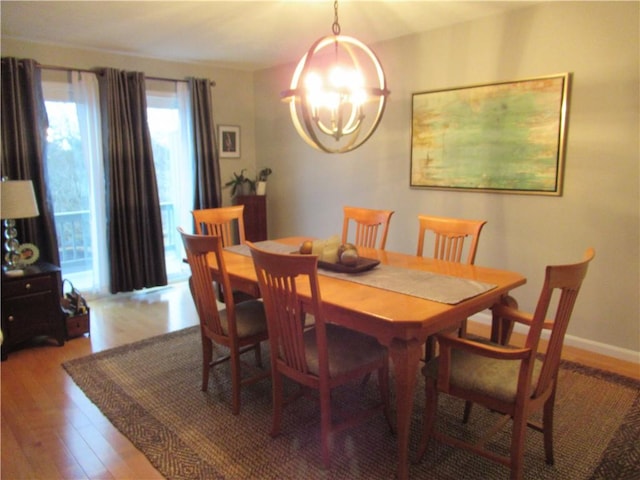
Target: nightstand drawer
28,286
31,306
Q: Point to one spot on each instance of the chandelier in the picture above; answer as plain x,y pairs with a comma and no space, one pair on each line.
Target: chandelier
338,93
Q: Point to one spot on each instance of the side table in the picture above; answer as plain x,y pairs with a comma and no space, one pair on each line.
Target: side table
31,306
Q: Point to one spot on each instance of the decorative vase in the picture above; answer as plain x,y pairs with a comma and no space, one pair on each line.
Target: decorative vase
261,188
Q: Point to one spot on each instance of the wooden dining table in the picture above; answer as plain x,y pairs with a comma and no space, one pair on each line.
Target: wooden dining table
399,321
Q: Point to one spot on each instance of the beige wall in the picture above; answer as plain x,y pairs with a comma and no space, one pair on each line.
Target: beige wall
598,43
232,96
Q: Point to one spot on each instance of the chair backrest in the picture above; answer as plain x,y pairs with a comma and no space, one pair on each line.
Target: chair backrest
368,224
449,237
281,277
204,254
566,281
224,222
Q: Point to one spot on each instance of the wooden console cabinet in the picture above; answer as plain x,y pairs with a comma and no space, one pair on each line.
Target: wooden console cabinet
31,306
255,216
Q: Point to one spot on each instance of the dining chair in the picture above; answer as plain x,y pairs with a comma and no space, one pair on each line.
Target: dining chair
321,357
369,223
449,239
228,224
240,326
224,222
513,381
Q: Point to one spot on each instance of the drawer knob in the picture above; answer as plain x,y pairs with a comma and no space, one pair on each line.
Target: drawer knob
27,286
11,319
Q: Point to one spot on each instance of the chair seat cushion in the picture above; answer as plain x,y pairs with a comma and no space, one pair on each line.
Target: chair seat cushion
347,350
488,376
250,319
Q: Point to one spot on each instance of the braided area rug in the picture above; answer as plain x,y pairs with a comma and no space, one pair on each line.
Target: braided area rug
150,391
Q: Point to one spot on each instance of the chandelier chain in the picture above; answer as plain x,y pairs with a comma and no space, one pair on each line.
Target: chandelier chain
336,26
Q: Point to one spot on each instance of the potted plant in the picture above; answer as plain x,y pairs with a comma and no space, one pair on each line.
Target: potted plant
261,181
241,185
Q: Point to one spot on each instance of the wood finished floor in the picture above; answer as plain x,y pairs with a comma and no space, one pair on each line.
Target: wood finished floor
50,430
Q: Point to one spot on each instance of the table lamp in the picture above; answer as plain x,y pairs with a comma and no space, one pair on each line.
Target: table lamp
18,201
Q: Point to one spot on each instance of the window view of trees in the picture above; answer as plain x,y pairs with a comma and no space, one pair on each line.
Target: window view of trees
76,182
68,180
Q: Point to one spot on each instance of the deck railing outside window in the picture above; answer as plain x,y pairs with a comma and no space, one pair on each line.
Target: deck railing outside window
74,238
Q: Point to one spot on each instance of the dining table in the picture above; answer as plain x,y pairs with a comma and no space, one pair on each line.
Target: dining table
400,301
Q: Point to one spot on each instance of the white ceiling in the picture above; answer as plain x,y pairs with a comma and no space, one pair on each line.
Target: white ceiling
246,35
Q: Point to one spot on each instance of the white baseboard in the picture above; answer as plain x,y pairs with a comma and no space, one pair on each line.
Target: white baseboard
573,341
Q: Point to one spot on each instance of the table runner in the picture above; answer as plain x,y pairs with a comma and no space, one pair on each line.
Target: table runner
418,283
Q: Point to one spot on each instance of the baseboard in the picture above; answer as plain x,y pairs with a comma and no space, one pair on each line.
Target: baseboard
624,354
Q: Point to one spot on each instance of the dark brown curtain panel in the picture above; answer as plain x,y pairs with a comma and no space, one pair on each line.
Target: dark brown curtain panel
24,128
207,167
134,223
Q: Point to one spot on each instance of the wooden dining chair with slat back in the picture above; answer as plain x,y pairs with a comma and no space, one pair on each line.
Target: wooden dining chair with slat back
228,224
510,380
321,357
224,222
454,240
371,226
240,326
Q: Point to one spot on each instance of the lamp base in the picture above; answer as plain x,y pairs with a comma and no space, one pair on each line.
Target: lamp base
13,272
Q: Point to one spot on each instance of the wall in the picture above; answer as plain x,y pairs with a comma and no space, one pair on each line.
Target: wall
596,41
233,101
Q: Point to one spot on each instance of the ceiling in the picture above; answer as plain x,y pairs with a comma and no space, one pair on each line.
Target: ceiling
246,35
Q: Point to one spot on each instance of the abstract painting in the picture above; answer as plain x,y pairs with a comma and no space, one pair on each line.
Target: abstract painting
502,137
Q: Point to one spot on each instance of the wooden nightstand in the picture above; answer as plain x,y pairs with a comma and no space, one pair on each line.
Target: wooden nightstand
31,306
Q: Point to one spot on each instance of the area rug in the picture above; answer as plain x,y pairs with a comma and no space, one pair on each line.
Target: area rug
150,391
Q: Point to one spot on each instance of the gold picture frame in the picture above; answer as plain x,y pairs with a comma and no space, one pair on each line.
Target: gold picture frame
506,137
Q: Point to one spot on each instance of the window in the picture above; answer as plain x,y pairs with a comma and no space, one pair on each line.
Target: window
75,175
168,118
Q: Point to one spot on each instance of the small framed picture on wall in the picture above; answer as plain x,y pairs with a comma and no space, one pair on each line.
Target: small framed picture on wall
229,141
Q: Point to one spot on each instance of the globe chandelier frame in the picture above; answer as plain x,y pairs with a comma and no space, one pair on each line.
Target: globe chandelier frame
330,101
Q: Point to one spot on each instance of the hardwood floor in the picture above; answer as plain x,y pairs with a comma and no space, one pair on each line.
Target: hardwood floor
50,430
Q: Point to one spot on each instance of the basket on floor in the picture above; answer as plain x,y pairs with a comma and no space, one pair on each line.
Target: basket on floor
76,311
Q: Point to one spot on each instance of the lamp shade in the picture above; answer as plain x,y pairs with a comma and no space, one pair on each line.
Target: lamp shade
18,199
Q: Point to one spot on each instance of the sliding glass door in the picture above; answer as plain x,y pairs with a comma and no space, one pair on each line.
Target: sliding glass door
75,173
75,177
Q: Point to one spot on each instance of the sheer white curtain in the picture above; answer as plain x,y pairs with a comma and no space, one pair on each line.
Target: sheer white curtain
170,126
186,165
75,174
85,93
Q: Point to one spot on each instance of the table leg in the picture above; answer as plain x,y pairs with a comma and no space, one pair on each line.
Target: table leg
406,359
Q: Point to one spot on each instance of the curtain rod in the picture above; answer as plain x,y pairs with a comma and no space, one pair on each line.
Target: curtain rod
68,69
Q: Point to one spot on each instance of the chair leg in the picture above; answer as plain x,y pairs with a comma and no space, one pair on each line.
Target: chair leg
517,445
325,425
207,356
429,417
429,348
277,399
235,380
258,353
547,426
467,411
